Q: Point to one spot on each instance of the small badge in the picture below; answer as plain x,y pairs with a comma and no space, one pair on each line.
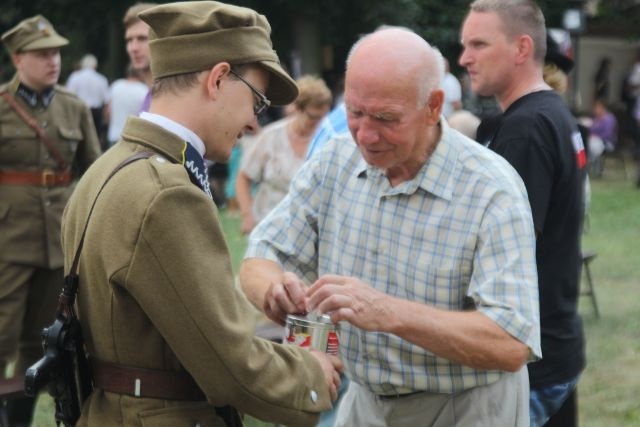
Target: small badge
42,27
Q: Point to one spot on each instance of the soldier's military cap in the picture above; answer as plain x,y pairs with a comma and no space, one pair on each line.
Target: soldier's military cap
32,34
193,36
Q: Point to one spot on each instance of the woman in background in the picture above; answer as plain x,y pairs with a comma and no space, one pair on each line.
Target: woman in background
278,151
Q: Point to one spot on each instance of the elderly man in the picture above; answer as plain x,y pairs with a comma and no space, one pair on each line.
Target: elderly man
47,139
418,242
157,298
504,49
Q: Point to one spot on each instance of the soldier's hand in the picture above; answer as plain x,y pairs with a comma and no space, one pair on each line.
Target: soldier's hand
332,367
286,297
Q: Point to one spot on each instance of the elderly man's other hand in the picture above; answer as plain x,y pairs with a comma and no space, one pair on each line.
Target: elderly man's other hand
350,299
286,297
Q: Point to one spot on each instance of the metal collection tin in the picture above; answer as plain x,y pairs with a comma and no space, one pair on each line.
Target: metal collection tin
312,332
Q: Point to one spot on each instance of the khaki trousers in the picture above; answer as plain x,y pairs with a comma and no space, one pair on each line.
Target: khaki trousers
28,300
504,403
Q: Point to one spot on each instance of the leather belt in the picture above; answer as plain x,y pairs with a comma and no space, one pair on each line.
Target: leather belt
11,388
44,178
139,382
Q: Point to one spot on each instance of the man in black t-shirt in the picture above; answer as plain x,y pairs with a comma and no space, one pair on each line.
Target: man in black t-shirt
504,47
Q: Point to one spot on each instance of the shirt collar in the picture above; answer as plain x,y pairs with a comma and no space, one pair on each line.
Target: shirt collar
435,176
176,128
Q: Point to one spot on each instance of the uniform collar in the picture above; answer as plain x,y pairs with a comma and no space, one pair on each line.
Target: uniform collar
175,127
30,96
170,144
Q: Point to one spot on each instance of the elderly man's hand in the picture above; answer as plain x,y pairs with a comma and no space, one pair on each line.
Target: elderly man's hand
350,299
332,367
286,297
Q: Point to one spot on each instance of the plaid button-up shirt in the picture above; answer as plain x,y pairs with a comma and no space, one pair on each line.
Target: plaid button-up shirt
459,236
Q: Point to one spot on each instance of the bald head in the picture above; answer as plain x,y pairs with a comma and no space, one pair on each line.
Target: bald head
397,56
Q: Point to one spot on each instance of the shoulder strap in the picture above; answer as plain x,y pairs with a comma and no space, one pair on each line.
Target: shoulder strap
138,156
34,125
70,288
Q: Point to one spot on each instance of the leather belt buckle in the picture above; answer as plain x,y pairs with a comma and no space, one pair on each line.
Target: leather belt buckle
47,178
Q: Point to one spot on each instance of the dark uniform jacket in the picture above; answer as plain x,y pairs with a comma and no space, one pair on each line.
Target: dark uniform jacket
30,215
157,291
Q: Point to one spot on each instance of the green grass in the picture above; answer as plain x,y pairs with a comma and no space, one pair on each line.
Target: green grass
610,384
609,387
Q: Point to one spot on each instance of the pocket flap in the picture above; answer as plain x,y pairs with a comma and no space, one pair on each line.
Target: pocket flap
17,131
70,133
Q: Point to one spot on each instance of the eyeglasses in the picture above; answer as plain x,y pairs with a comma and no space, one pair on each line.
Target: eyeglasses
263,102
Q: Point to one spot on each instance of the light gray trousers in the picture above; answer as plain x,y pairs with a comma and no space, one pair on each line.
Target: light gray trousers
504,403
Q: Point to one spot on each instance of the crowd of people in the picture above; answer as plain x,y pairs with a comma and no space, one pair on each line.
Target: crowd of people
441,238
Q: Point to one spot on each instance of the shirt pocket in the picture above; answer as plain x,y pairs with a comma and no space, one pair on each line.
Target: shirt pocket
442,287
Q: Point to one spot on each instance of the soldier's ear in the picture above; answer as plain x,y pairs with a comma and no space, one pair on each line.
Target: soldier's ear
215,78
16,58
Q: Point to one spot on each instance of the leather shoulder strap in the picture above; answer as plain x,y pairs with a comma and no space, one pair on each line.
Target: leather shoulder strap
138,156
62,165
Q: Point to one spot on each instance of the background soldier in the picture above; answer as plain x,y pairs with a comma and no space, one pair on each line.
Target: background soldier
37,165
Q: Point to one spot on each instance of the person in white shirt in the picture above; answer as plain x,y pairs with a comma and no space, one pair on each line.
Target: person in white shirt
452,92
126,97
92,87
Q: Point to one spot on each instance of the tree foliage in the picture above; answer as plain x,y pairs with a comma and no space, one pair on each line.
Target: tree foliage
96,25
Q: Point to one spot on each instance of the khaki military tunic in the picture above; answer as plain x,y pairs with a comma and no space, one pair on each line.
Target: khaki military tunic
157,291
30,215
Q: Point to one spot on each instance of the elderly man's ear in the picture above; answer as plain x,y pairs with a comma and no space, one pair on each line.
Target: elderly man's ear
435,101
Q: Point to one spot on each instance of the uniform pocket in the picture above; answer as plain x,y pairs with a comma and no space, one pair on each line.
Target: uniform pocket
191,415
70,135
16,131
18,145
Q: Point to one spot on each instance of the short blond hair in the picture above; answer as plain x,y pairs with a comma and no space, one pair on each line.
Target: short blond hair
131,15
313,91
518,17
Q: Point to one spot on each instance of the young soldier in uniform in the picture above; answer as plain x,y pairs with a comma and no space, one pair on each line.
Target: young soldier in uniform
35,183
157,295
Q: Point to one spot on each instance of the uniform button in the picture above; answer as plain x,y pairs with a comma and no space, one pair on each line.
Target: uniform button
314,396
45,124
197,425
160,159
47,202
